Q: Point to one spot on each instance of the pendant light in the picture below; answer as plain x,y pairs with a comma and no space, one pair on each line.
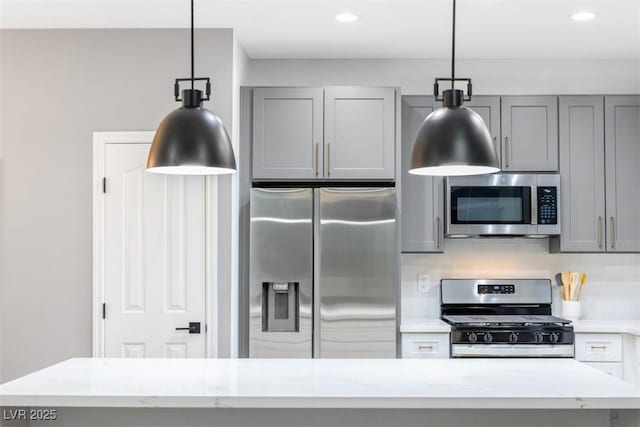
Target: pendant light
191,140
453,140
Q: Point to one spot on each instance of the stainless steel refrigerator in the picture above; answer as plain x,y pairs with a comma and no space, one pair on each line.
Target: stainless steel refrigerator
323,273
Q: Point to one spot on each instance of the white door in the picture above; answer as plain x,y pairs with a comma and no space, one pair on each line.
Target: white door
154,258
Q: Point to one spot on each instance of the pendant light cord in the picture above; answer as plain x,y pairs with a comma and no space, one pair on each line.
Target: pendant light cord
192,54
453,48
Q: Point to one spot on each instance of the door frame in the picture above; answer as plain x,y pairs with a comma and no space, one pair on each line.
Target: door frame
100,141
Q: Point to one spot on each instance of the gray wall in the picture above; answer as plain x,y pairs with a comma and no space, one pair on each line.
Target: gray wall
59,86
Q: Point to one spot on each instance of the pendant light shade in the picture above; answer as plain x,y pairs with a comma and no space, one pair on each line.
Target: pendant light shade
453,140
191,140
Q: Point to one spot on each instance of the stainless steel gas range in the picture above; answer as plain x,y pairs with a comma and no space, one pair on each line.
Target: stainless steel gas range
504,318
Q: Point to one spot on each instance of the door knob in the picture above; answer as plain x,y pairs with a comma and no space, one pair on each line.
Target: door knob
194,328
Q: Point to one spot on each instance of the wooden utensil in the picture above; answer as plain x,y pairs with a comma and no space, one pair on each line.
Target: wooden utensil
574,279
583,281
565,276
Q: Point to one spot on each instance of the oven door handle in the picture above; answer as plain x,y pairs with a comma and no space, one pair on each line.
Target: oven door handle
534,205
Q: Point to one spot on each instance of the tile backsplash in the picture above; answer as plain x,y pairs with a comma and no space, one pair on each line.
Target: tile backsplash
612,292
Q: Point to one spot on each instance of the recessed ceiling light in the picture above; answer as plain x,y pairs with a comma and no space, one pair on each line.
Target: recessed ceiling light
346,17
583,16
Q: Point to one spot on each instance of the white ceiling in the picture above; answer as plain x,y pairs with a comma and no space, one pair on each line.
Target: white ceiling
386,28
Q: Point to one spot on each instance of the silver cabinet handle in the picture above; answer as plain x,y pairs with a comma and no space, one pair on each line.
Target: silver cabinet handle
329,159
439,233
600,232
613,233
425,347
317,159
507,151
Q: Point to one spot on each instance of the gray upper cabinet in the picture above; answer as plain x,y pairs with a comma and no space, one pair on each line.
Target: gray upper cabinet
359,133
529,133
287,133
422,208
582,174
622,137
488,107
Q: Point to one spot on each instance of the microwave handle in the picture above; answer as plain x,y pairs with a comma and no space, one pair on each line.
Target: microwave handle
534,205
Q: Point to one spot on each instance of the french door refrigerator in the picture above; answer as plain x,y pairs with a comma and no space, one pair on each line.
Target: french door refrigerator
323,273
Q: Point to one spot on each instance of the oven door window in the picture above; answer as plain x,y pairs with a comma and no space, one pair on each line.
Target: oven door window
491,205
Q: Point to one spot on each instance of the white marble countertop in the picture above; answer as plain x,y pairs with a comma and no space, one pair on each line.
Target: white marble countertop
321,383
611,326
424,326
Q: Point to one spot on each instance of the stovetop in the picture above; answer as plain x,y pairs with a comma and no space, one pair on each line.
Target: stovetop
504,320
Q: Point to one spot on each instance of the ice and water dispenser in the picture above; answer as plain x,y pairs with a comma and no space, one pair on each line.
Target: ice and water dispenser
280,306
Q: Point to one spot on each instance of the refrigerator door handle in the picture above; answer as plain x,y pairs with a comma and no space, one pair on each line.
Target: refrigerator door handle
316,275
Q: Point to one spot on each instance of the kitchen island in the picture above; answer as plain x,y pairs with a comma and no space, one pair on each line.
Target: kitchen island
325,392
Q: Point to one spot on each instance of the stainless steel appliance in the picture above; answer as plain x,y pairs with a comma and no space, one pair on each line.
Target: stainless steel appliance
503,204
504,318
323,273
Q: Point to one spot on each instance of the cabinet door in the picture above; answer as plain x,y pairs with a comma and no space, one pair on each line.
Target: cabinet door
530,133
622,145
287,133
488,107
598,347
425,346
582,173
359,133
422,196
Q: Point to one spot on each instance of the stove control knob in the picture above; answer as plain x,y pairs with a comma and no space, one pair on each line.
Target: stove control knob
513,338
472,337
488,337
538,337
554,337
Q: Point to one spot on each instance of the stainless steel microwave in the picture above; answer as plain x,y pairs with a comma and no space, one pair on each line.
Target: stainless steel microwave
503,205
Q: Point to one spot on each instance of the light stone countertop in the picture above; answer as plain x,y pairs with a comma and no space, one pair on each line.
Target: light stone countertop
321,383
424,326
610,326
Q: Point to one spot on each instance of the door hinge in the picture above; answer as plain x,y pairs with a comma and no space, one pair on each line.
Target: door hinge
104,185
104,310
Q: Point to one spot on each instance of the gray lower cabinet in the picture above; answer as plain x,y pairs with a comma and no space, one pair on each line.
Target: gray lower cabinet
287,133
422,207
359,133
582,174
529,133
622,142
488,107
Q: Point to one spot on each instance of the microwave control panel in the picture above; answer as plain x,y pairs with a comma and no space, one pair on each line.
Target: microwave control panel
547,205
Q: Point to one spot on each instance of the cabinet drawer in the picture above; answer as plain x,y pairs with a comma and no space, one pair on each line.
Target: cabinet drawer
598,348
610,368
425,346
